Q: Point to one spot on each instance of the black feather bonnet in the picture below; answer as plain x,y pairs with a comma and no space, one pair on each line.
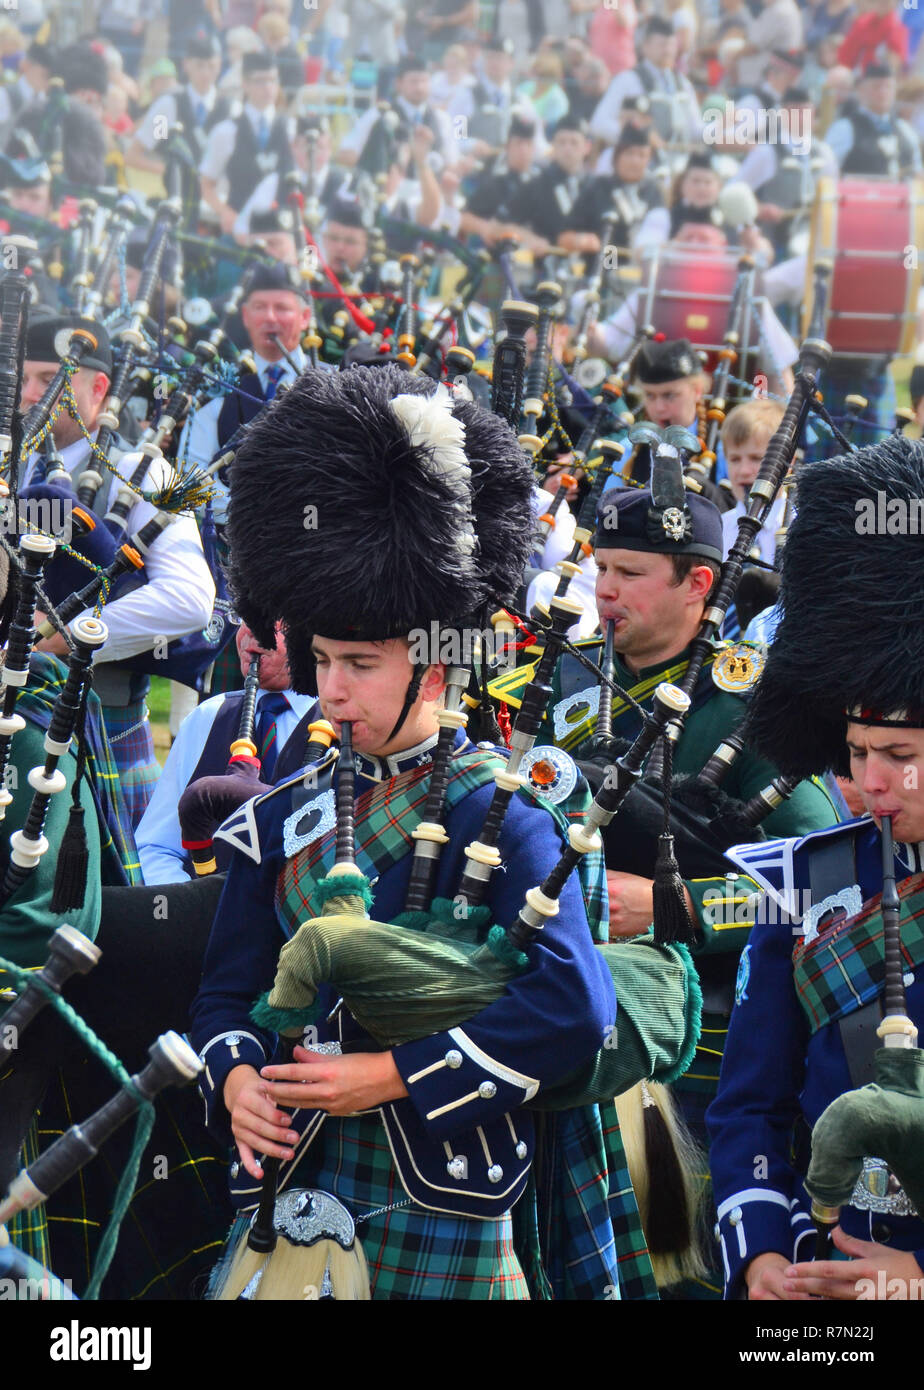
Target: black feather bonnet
851,637
368,503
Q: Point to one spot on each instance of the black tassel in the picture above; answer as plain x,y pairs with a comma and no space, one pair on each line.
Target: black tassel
671,917
73,860
668,1228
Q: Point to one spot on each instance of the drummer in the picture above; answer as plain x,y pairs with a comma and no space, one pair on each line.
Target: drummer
777,353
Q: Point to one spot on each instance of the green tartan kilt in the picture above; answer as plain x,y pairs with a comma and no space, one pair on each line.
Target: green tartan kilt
128,729
178,1215
28,1230
412,1253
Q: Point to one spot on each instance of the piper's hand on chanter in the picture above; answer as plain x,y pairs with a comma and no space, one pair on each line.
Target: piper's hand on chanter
765,1278
872,1271
257,1123
340,1085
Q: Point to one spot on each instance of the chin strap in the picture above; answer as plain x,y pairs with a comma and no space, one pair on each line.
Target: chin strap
413,691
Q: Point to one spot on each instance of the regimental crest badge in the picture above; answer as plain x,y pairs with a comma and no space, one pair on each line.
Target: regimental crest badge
549,772
738,667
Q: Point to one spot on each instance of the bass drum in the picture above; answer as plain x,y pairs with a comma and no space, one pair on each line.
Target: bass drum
689,295
870,231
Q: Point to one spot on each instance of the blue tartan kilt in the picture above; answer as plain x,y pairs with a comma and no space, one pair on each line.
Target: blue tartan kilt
128,729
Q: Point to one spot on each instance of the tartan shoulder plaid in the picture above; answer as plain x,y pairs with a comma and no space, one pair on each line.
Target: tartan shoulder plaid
385,815
843,968
120,862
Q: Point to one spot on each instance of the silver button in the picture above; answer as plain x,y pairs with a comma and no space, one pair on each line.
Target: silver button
521,1150
734,1216
233,1039
456,1167
495,1173
453,1058
487,1089
235,1168
717,1230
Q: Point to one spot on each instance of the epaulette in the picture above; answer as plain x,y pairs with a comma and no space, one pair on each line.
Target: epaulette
241,831
737,666
771,863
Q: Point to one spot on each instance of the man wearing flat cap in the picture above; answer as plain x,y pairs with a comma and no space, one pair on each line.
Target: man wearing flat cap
179,593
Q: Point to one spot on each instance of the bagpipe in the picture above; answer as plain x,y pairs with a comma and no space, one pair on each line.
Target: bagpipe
704,821
885,1118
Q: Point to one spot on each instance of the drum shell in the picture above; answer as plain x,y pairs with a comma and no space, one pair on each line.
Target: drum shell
870,230
690,296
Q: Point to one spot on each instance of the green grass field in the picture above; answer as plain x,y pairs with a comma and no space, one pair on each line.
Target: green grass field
159,706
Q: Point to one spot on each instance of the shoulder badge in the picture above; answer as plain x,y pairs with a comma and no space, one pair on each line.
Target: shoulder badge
549,772
738,667
309,822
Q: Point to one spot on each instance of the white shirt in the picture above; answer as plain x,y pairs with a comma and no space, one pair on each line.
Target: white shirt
222,136
199,442
621,329
180,592
447,147
266,195
558,547
778,25
761,163
158,835
840,137
766,536
28,95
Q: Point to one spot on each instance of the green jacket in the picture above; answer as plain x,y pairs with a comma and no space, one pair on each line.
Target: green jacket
713,716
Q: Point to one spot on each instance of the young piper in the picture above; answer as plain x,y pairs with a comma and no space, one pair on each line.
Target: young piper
424,519
745,434
811,977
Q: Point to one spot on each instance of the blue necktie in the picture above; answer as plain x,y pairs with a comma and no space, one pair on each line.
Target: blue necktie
263,134
200,113
273,374
271,705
